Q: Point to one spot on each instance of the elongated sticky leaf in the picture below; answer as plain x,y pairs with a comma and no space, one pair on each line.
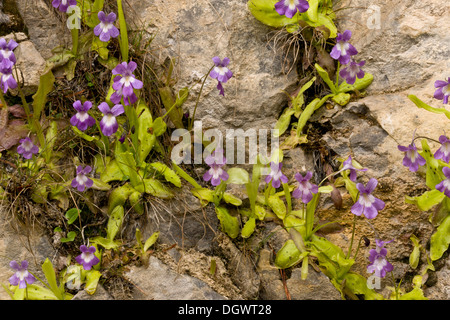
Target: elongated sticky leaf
186,176
170,175
40,97
359,84
112,172
147,139
264,11
50,275
114,222
92,279
154,188
119,196
277,205
419,103
231,199
289,255
433,175
123,32
151,241
283,122
229,223
326,78
248,228
237,176
440,240
135,200
427,200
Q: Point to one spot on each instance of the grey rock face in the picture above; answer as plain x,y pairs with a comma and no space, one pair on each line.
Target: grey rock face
158,282
193,32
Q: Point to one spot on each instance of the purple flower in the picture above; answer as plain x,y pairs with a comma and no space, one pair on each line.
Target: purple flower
7,80
343,50
22,277
221,89
124,83
6,50
81,182
412,158
106,30
216,174
378,261
109,124
367,204
221,72
63,4
352,71
444,185
347,165
444,151
87,257
289,8
82,120
27,148
443,91
305,189
275,175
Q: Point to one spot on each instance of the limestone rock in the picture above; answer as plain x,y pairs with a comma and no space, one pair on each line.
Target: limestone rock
404,43
21,243
46,26
193,32
30,65
158,282
100,294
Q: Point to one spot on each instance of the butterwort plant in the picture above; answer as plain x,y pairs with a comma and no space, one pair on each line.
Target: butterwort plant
352,71
442,90
276,176
27,148
343,50
124,83
7,80
348,165
412,158
106,29
82,182
87,258
109,124
367,204
443,153
7,50
289,8
216,174
22,277
82,120
379,265
63,5
221,72
305,189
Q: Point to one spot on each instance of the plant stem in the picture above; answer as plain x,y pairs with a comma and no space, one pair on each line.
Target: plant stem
123,32
353,236
337,74
75,34
287,195
330,175
395,285
357,249
191,121
34,124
